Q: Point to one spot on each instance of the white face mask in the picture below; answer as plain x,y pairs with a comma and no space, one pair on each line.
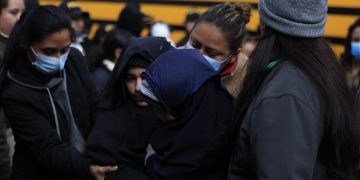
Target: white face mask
48,64
215,64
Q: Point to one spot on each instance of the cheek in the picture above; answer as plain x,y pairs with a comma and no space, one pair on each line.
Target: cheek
130,86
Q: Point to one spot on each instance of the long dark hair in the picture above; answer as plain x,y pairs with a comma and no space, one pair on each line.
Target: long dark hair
340,145
33,27
347,57
3,4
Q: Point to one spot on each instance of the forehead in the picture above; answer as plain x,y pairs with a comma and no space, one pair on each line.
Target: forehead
210,36
136,71
14,4
57,39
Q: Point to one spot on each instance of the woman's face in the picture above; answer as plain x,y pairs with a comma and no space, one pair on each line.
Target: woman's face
54,45
210,41
133,81
355,36
10,15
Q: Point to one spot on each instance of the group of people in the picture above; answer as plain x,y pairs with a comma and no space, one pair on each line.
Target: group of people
204,111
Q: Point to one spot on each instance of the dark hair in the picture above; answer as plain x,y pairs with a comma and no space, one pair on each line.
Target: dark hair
3,4
33,27
231,19
115,39
347,57
131,19
315,58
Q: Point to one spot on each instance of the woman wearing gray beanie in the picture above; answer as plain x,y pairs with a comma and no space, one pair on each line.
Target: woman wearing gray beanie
295,114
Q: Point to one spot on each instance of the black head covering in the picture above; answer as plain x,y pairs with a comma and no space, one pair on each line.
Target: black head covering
139,52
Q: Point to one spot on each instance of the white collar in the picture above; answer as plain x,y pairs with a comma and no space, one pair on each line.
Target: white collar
109,64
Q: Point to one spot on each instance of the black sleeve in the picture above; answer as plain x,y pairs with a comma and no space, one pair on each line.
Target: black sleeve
34,130
285,135
93,95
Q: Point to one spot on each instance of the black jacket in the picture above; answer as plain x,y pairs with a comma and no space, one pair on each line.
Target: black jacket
122,129
282,130
39,152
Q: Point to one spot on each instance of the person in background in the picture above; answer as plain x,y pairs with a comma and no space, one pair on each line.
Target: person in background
10,12
125,123
295,114
190,21
350,59
73,9
94,57
189,96
49,99
112,48
132,19
218,35
160,29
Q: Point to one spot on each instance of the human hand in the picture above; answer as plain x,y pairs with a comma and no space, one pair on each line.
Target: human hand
99,171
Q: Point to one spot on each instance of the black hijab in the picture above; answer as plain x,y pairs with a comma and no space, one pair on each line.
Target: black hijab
122,129
138,52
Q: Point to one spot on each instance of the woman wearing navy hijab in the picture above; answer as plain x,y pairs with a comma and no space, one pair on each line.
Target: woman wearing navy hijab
125,123
195,143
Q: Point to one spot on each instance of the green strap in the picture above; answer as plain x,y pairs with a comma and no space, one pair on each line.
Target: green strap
272,64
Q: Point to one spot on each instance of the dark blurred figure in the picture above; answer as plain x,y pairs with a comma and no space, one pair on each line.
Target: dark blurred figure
190,20
31,4
350,60
10,12
112,48
78,23
94,55
132,19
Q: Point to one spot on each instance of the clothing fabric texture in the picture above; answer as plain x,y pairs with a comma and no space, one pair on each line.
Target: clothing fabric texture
40,123
100,76
305,18
196,144
4,145
122,129
282,130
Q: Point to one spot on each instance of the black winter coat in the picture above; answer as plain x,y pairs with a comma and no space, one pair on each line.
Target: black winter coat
39,152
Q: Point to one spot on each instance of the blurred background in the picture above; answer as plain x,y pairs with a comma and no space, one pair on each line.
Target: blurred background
342,13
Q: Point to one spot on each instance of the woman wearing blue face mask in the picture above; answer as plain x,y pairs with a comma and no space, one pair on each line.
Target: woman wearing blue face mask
351,57
218,35
48,98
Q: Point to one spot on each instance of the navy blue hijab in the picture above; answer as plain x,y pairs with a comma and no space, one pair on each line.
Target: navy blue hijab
196,145
177,74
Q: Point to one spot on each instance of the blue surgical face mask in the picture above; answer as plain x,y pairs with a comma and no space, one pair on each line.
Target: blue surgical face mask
355,50
215,64
48,64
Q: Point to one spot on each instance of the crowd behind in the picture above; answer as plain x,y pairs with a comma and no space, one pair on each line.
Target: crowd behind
221,103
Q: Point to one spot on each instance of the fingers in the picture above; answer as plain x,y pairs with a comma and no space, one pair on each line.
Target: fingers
106,169
99,171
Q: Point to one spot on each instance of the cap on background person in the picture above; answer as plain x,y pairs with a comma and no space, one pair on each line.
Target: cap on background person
305,18
72,8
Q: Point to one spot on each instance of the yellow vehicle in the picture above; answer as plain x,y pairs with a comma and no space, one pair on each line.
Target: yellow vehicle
342,13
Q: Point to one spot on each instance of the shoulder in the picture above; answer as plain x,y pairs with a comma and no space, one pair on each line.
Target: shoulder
289,80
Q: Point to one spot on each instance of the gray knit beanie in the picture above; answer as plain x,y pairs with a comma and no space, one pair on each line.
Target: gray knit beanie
299,18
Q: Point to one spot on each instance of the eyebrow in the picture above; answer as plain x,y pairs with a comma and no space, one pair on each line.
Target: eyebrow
54,49
207,49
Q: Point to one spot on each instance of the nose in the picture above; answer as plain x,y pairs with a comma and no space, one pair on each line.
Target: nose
138,84
57,55
202,50
18,16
